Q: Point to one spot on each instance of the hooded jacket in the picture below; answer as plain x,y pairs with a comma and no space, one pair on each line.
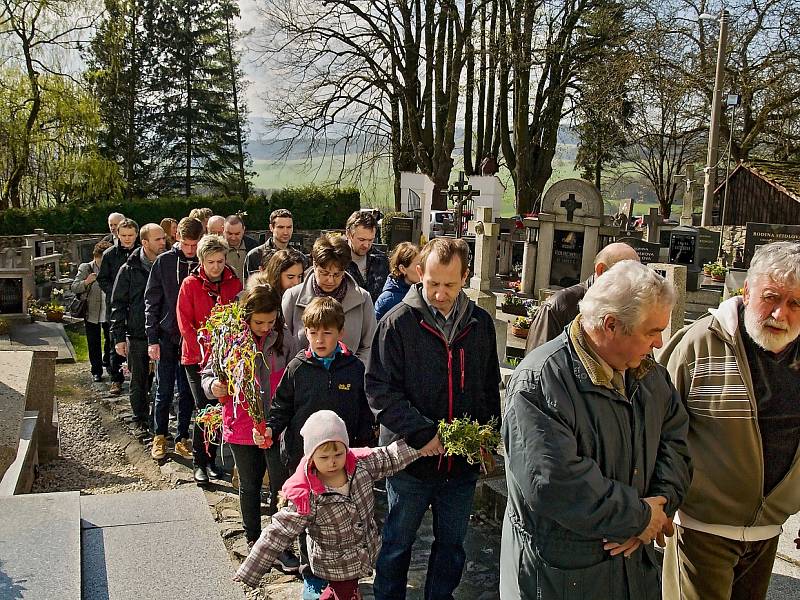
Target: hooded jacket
307,386
708,364
343,538
415,377
580,458
196,298
237,425
359,314
377,272
127,299
161,295
113,259
394,290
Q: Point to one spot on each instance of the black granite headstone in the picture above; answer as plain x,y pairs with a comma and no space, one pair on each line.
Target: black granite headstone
565,268
707,245
683,246
647,251
760,234
402,229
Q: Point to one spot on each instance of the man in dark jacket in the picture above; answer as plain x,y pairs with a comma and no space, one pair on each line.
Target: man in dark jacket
281,226
597,459
562,307
239,245
126,241
128,320
164,339
436,331
369,267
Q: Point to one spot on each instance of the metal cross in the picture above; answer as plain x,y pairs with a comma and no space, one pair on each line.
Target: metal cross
571,204
459,193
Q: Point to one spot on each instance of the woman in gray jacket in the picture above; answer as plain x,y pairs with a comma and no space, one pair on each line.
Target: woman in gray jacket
328,277
95,320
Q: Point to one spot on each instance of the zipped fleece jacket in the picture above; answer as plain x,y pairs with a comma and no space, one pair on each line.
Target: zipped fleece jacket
343,538
127,299
306,387
708,364
196,298
415,377
161,295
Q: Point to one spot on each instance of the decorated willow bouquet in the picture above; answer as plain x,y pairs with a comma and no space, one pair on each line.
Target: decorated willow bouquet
470,439
232,354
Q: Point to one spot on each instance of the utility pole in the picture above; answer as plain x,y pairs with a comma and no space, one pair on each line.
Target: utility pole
716,110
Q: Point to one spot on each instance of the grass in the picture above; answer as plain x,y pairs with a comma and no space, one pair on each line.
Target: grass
78,341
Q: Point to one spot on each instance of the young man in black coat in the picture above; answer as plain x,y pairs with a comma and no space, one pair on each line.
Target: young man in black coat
128,320
433,358
369,266
126,241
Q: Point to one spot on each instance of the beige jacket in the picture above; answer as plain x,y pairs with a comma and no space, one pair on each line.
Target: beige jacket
708,366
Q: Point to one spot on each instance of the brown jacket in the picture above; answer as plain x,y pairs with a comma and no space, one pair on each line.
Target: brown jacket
556,313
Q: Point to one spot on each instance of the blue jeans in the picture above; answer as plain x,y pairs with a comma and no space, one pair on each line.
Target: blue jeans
409,498
169,369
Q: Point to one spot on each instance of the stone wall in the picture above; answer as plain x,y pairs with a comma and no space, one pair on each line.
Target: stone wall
733,237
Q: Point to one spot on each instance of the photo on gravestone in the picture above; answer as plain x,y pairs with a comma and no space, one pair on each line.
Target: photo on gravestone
760,234
682,247
647,252
567,253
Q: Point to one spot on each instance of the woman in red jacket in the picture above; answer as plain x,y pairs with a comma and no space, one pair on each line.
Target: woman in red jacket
212,282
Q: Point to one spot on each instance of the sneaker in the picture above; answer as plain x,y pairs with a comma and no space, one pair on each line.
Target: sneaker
115,389
159,450
184,448
287,562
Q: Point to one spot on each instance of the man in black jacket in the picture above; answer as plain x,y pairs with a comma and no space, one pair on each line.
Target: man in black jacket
562,307
597,459
436,331
128,320
239,245
369,266
164,340
126,241
281,226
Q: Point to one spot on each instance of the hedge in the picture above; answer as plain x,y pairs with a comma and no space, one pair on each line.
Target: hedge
313,207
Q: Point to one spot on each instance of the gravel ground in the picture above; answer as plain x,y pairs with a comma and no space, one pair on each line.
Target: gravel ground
92,460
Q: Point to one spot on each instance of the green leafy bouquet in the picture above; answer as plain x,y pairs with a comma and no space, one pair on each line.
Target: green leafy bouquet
470,439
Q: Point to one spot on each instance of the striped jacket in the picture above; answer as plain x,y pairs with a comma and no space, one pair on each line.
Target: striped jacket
343,538
708,365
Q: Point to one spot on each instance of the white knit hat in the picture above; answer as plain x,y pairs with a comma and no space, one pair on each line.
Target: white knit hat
323,426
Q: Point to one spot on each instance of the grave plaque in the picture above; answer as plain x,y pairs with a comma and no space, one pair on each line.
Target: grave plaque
707,245
648,252
567,252
402,230
761,234
683,246
11,295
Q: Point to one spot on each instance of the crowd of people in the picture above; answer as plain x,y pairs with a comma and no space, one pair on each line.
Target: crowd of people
608,452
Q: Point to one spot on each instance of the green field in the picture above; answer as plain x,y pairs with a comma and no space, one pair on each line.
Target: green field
376,186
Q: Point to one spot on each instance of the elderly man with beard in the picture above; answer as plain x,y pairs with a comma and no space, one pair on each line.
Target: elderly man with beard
738,372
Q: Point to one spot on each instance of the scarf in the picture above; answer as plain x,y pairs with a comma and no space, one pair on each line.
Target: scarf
338,294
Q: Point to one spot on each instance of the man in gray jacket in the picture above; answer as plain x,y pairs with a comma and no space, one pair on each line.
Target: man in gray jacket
597,460
738,372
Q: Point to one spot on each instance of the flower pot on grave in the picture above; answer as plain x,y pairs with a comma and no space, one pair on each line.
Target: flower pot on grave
55,316
520,332
515,309
718,278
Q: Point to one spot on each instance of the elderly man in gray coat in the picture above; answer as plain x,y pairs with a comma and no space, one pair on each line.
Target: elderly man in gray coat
597,459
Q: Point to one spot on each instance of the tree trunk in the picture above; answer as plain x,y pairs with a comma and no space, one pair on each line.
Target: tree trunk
235,96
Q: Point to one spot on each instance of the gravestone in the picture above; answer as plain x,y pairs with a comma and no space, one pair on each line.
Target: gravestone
707,245
491,191
683,246
484,252
569,233
761,234
416,193
653,223
15,370
506,254
11,296
647,252
401,230
626,208
462,196
675,274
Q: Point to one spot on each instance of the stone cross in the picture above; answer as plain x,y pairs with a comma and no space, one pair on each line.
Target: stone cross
653,220
570,204
676,275
486,232
458,194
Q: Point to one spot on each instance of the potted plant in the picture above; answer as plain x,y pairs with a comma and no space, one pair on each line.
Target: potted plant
54,310
514,305
718,272
520,327
707,269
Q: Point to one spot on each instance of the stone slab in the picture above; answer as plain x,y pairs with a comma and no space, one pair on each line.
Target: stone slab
41,333
15,368
120,533
18,478
29,567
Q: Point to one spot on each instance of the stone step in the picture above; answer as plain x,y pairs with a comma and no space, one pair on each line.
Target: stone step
162,544
40,546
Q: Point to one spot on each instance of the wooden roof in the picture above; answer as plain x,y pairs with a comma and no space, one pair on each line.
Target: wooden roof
783,176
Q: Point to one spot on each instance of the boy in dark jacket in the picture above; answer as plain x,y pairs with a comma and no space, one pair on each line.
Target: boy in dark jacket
127,317
325,376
